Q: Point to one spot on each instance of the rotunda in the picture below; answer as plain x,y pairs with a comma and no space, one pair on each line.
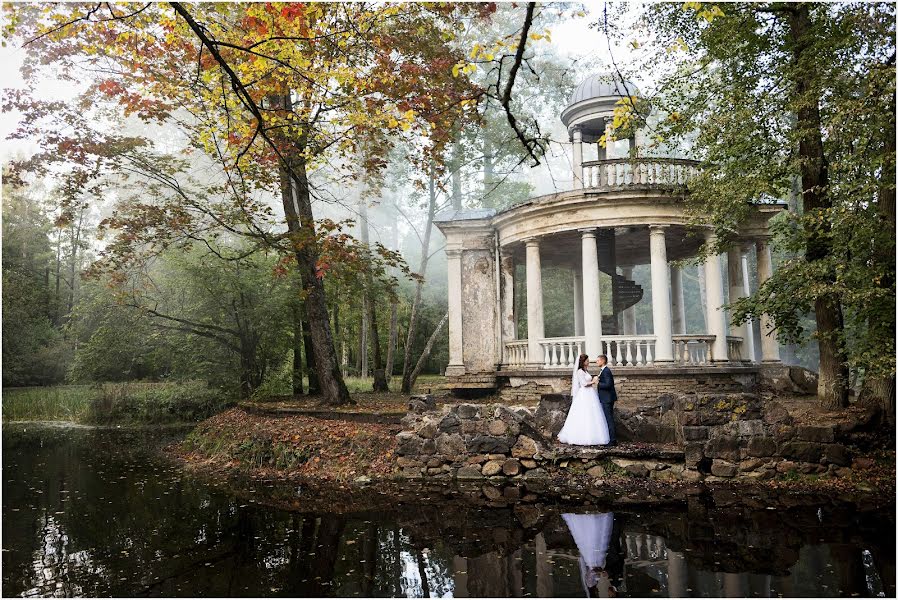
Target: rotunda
623,211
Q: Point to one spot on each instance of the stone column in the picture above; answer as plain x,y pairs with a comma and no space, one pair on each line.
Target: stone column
661,318
750,324
544,587
578,301
456,364
628,316
677,304
607,151
535,324
770,350
717,319
737,290
507,321
592,310
577,138
677,575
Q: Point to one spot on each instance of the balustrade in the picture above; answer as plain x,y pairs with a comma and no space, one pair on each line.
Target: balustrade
626,172
516,353
629,350
621,350
692,349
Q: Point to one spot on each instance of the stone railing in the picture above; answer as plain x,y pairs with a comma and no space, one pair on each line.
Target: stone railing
692,349
516,353
622,351
734,348
629,350
561,352
641,172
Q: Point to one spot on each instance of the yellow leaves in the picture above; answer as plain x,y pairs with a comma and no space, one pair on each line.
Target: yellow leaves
678,45
708,14
463,67
634,44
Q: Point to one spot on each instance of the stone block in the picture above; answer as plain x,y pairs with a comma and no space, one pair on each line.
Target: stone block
811,433
722,468
803,451
450,424
467,411
776,414
512,492
785,466
695,433
477,459
450,444
760,447
472,427
493,467
421,403
633,467
749,428
528,463
726,447
491,492
511,467
836,454
536,474
693,453
469,472
412,473
525,447
497,427
751,464
405,461
596,471
408,444
428,447
488,444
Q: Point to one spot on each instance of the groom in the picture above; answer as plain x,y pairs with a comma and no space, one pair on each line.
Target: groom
607,395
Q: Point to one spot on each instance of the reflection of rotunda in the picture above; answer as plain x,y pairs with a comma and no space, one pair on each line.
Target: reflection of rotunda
623,212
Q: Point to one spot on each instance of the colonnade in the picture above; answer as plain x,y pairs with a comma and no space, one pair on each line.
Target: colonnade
668,306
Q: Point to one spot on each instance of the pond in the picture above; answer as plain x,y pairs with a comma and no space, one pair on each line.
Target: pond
100,512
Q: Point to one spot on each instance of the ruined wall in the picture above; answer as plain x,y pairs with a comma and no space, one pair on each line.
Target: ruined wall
479,308
711,436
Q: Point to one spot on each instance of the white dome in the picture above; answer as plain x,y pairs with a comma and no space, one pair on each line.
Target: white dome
603,85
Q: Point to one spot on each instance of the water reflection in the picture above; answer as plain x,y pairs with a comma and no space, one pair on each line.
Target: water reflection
593,533
97,513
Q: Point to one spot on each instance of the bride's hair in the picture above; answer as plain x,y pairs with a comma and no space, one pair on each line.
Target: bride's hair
583,359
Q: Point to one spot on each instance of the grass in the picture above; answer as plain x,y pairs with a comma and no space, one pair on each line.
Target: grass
131,402
51,403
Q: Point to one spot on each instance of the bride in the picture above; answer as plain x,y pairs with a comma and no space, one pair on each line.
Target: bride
585,424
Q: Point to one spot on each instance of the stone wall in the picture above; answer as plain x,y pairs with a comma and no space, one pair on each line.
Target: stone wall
726,436
633,385
697,436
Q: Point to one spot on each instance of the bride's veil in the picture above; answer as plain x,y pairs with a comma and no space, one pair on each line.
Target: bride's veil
575,380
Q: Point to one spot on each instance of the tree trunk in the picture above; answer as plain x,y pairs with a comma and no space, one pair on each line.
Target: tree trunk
297,347
394,319
832,387
300,222
425,354
407,380
394,338
881,389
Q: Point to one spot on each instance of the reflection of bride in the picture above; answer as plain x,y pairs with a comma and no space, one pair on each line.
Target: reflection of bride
592,534
585,424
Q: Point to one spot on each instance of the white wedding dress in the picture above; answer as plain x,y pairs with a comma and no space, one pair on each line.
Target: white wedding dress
585,424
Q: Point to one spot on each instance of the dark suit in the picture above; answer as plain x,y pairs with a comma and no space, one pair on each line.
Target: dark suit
607,397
